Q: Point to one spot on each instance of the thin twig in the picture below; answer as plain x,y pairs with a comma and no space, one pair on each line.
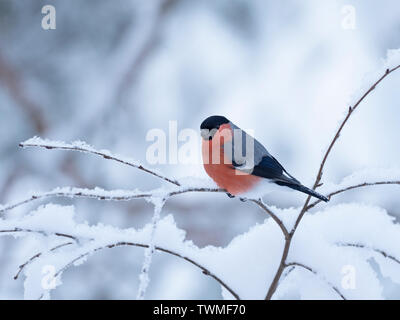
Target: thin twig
44,233
37,255
278,221
108,155
362,246
296,264
203,269
360,185
68,192
282,265
118,244
105,155
349,113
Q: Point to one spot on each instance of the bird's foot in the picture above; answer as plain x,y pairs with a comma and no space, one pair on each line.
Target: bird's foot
243,199
230,195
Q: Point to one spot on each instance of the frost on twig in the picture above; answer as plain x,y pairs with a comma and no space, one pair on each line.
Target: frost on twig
360,179
243,267
319,245
81,146
148,253
107,195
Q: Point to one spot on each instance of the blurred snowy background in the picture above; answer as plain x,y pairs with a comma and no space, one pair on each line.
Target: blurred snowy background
113,70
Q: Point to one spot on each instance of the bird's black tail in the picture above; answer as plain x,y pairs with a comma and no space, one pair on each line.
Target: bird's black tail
301,188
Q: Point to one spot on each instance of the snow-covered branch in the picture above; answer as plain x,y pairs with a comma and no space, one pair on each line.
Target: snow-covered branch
278,221
380,251
288,240
204,270
360,185
88,240
267,260
301,265
107,195
81,146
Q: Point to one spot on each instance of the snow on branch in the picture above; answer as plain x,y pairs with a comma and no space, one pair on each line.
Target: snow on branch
391,64
324,242
361,179
54,221
108,195
81,146
301,265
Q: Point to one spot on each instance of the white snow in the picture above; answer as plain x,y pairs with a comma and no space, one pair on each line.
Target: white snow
248,263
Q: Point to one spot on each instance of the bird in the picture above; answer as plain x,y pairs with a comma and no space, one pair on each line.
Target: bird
241,165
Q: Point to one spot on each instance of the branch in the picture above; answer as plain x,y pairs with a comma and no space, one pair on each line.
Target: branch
12,80
279,222
282,265
296,264
100,194
118,244
335,138
349,113
360,185
44,233
361,246
83,147
33,258
203,269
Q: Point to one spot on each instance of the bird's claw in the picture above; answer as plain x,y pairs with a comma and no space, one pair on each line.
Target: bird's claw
230,195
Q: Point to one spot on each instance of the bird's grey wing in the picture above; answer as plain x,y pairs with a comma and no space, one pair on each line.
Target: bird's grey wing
251,156
246,152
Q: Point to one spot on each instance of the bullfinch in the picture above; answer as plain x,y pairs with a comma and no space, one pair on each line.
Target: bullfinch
240,164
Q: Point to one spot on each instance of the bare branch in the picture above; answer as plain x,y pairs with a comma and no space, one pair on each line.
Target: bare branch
279,222
317,183
349,113
33,258
360,185
82,147
118,244
335,138
12,80
281,268
296,264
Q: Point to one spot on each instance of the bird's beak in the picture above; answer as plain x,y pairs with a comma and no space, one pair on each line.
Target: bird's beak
208,134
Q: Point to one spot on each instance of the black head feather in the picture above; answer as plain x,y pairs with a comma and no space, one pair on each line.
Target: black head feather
213,122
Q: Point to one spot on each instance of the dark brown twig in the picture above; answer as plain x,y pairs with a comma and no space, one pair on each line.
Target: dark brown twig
37,255
118,244
296,264
85,193
44,233
360,185
105,155
203,269
279,222
361,246
110,156
282,265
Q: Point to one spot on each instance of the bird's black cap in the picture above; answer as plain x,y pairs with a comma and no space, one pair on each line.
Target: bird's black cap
213,122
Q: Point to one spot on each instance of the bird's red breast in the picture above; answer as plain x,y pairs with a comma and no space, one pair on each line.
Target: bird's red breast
219,167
